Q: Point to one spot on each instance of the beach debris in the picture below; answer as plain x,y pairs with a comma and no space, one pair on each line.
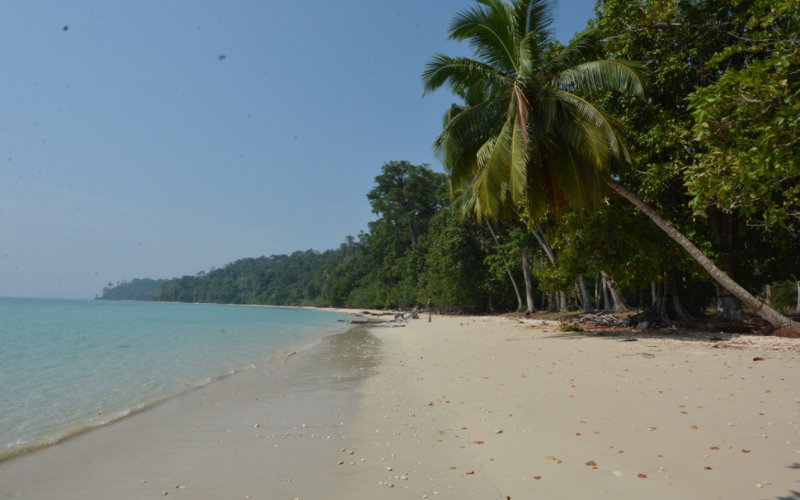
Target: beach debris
706,468
591,463
758,358
537,477
642,476
478,442
616,473
498,431
745,451
552,458
608,320
470,472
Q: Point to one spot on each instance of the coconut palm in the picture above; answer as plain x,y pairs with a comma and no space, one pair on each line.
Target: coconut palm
525,135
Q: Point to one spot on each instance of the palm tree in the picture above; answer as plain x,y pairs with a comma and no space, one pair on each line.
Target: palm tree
524,135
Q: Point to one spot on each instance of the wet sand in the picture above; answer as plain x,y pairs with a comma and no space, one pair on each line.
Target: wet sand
252,435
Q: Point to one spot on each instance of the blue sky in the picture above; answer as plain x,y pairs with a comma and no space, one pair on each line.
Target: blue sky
157,139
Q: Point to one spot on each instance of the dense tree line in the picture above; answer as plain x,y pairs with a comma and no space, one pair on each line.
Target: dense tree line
136,289
650,163
656,150
417,251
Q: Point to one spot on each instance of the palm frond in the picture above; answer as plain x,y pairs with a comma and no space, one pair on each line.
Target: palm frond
462,75
583,48
599,76
486,29
535,18
606,124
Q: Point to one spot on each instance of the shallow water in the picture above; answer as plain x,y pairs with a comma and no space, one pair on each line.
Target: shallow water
70,365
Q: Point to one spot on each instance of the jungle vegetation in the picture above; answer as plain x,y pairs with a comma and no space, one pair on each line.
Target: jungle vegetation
650,163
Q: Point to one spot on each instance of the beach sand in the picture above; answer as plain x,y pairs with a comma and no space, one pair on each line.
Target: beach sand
462,408
497,408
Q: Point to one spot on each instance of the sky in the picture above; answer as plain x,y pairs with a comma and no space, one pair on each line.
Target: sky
155,139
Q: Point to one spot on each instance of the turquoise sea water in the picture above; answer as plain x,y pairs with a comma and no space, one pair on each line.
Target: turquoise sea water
69,365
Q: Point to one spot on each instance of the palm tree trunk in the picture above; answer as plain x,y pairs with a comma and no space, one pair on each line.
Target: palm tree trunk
606,302
774,317
619,302
508,269
526,271
587,304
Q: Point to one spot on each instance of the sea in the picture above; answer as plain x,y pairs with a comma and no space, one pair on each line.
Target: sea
67,366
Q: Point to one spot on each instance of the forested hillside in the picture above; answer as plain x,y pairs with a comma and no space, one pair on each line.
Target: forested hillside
137,289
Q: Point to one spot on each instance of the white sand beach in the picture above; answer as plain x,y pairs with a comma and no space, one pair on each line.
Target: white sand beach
461,408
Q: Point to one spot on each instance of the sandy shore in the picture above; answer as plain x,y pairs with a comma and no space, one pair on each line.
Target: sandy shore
461,408
496,408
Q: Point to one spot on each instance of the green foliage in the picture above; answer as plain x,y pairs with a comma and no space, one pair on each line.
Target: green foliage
748,123
381,268
137,289
525,134
784,296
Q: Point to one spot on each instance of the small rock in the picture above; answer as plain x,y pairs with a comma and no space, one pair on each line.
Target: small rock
616,473
388,468
498,431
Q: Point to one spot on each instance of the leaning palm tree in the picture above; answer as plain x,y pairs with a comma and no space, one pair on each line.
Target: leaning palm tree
524,136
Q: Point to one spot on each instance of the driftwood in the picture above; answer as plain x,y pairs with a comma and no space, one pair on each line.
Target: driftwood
601,320
399,317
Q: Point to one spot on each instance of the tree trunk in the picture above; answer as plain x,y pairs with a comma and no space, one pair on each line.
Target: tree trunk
508,269
413,228
774,317
769,295
526,271
551,256
668,307
563,306
587,304
727,306
544,300
653,292
797,308
552,302
606,302
619,302
597,296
